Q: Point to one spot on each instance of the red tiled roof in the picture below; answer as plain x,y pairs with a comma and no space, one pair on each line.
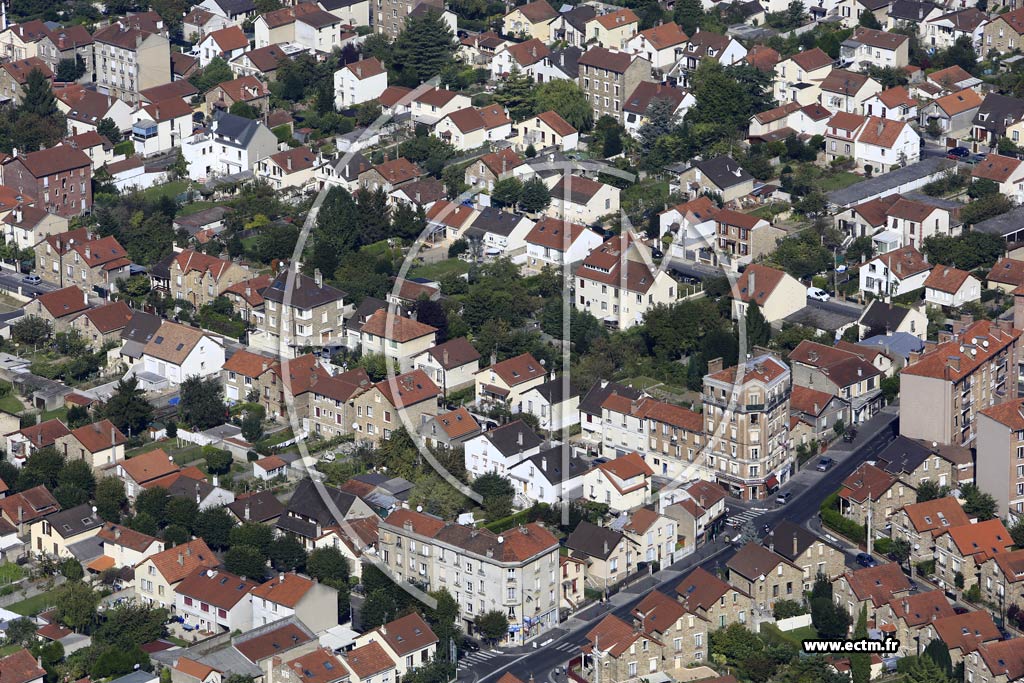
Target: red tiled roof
285,589
174,564
946,279
982,540
229,38
64,302
879,584
866,481
99,436
148,466
412,387
947,361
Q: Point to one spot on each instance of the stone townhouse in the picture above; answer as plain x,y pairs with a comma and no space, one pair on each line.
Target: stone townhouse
198,278
331,410
871,587
158,575
963,634
920,523
999,662
394,403
806,550
618,651
1002,579
683,635
104,324
396,337
914,461
706,595
246,297
306,314
241,375
609,555
59,307
839,372
873,492
518,571
14,76
607,77
654,535
507,381
452,364
962,550
905,618
100,444
765,575
95,265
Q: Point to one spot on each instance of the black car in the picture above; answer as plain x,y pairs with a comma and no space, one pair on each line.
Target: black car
865,560
958,153
849,435
469,645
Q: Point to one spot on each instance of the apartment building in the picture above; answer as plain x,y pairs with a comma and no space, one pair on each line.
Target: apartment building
130,55
706,595
389,15
616,283
952,381
1000,456
961,551
608,77
306,314
619,651
516,572
872,494
683,635
765,575
59,178
394,403
746,409
331,409
841,373
196,277
743,237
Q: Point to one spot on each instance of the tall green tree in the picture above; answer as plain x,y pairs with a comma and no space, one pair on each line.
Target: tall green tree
938,652
759,332
38,98
860,662
286,554
566,99
128,408
493,625
516,93
108,129
246,561
507,192
110,498
687,14
214,526
337,231
535,196
201,405
659,120
76,606
424,47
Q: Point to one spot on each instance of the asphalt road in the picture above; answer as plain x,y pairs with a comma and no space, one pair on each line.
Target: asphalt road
12,281
809,493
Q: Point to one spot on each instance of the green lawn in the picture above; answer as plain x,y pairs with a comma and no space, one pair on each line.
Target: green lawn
796,637
276,438
9,649
196,207
171,189
838,181
10,572
10,403
36,604
56,414
435,271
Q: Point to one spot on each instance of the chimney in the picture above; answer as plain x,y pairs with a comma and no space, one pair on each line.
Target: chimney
199,498
248,292
245,512
181,559
280,578
318,278
113,436
606,547
544,464
715,365
289,162
954,362
88,251
519,438
751,284
795,551
17,214
117,532
359,71
444,357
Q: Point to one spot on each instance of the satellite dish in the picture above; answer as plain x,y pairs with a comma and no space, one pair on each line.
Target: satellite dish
419,508
501,539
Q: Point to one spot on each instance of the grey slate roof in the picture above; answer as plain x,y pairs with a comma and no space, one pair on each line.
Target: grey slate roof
998,111
902,456
1008,225
507,438
909,10
590,540
789,540
549,463
494,221
898,343
591,402
307,505
578,16
263,506
235,130
75,521
890,182
882,318
723,171
567,59
304,292
236,6
553,391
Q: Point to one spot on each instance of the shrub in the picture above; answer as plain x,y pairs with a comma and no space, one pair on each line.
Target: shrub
926,568
883,546
832,518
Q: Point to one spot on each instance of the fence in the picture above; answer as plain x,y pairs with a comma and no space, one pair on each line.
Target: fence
793,623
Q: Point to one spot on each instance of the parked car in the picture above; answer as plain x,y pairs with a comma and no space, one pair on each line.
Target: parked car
818,294
469,645
825,464
865,560
32,279
849,435
783,498
958,153
975,159
960,609
328,457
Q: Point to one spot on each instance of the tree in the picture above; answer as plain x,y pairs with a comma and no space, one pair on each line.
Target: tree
612,141
1017,532
785,609
660,120
424,47
215,73
252,427
131,624
30,330
507,191
214,525
175,534
38,98
328,565
286,554
759,332
497,493
336,233
432,313
492,625
977,503
246,561
21,631
153,502
71,569
42,467
860,662
201,406
128,408
900,550
869,20
938,652
76,605
69,496
566,99
961,53
515,93
984,208
218,461
687,14
70,70
921,670
930,490
378,608
108,129
181,511
78,474
535,196
110,498
830,620
968,251
444,621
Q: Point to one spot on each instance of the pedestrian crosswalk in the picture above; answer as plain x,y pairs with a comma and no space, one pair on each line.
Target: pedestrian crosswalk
482,656
566,647
741,518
